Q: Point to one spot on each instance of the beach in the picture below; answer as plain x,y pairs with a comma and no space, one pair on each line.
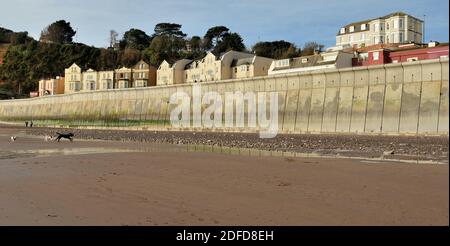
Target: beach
107,182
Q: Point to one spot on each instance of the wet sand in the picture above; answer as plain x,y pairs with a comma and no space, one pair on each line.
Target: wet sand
119,183
408,148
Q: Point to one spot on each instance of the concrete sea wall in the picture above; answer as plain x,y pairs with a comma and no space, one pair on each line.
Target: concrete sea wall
402,98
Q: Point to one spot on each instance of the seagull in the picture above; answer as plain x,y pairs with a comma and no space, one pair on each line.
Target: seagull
13,138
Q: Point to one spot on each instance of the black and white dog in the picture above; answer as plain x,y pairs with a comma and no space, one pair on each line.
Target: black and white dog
65,135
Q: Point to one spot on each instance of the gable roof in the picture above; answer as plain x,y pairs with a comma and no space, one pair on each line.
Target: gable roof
243,61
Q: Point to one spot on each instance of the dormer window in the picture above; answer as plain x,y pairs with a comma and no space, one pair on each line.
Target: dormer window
352,29
282,63
363,27
342,30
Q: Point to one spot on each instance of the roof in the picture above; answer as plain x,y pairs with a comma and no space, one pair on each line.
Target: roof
357,24
242,61
311,61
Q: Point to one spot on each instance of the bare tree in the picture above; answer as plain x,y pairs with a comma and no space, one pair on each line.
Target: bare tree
113,35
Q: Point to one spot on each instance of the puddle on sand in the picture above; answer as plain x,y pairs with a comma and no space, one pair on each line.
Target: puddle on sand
13,154
152,148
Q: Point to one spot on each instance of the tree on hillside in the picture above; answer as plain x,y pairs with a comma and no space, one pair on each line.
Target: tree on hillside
276,49
310,47
170,29
5,35
108,59
219,39
135,39
214,35
167,44
129,57
194,49
230,41
59,32
8,36
20,38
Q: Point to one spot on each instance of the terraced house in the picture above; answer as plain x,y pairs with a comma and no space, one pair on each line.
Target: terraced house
396,27
143,75
170,74
106,80
72,79
90,80
123,78
212,67
250,67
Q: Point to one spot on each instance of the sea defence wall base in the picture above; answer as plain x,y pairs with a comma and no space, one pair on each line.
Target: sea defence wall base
393,99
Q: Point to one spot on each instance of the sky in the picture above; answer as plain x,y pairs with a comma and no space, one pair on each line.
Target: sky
296,21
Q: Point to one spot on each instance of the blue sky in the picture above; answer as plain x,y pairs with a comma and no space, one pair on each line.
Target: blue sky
296,21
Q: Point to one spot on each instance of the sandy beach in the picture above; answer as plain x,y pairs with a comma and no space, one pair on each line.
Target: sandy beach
96,182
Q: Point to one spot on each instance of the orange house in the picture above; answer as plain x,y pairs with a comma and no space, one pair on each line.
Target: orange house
51,86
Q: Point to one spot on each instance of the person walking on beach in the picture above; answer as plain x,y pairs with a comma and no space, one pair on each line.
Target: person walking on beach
26,123
31,124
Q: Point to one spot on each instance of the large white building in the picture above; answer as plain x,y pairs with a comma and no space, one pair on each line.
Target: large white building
396,27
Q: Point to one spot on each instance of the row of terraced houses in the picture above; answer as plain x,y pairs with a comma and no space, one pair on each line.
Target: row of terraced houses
397,37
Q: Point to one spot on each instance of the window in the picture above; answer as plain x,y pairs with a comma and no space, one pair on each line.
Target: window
382,39
396,24
342,30
400,37
282,63
352,28
381,27
400,23
387,26
248,68
376,56
411,59
363,27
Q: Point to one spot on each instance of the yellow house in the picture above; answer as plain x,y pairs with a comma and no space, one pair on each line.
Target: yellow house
72,79
168,74
123,78
90,80
106,80
250,67
212,67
